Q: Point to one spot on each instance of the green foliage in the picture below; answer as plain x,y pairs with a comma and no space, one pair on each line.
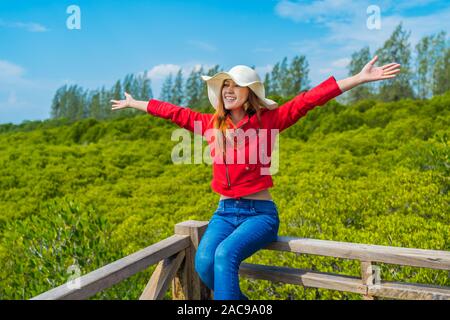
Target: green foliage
358,60
40,250
92,192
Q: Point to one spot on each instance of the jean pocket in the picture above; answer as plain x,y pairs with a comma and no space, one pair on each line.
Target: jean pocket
272,215
219,212
271,211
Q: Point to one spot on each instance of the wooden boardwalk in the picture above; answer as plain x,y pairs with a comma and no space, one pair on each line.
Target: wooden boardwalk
175,269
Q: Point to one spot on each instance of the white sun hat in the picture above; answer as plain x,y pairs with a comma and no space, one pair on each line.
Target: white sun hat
243,76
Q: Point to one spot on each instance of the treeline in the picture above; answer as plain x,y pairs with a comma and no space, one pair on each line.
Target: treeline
425,72
74,103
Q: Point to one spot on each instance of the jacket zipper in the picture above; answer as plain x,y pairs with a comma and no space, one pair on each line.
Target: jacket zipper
226,167
228,178
224,160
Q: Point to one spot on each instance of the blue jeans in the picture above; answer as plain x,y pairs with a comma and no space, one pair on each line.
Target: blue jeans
237,229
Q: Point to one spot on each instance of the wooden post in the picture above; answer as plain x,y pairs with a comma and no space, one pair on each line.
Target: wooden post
186,284
367,278
161,277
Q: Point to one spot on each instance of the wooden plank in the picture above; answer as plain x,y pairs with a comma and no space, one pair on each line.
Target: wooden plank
186,284
113,273
305,278
409,291
435,259
161,277
367,277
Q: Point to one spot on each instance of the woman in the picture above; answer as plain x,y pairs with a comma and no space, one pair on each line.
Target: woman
246,219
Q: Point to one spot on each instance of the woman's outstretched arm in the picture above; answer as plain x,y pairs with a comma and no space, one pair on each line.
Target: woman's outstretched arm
369,73
129,102
290,112
187,118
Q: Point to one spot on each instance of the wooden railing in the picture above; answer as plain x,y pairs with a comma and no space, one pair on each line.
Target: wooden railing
175,258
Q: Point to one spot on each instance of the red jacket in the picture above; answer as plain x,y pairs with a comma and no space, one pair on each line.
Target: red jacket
238,178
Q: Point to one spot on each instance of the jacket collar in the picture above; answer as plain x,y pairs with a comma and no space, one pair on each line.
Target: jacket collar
243,121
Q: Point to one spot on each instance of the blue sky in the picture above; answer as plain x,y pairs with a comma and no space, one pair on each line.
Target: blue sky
38,53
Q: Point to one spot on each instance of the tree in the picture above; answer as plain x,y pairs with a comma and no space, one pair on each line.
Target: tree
440,77
58,103
201,85
117,91
358,61
285,79
127,84
166,89
145,87
73,103
299,71
396,49
275,80
192,89
204,103
422,75
267,84
177,89
95,108
441,74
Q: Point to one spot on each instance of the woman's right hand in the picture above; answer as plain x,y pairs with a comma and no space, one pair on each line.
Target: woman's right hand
121,104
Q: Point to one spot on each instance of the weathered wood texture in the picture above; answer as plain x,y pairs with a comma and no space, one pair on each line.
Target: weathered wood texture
176,256
345,283
113,273
434,259
187,285
161,277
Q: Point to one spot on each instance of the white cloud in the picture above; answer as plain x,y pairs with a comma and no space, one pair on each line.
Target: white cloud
158,73
317,11
355,35
12,101
162,70
28,26
262,70
13,74
346,29
13,77
346,21
402,5
339,67
9,69
341,63
196,67
325,70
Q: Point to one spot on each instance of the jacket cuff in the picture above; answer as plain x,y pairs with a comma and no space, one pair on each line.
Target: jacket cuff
152,106
330,90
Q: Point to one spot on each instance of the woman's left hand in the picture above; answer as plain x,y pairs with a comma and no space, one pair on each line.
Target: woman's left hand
371,73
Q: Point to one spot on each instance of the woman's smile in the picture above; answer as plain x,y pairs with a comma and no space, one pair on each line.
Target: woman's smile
233,95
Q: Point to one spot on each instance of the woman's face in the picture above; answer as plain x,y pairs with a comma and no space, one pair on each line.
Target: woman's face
233,95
